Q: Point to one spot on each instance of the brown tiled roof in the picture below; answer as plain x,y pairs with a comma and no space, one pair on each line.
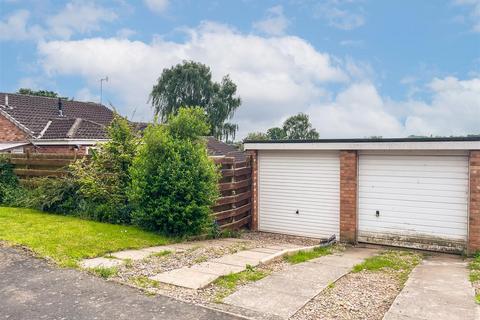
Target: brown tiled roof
64,128
34,113
219,148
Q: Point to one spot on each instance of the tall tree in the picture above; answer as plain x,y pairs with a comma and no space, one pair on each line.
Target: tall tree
256,136
299,127
190,84
41,93
276,133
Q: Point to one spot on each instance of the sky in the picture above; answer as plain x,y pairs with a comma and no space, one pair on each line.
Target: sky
358,68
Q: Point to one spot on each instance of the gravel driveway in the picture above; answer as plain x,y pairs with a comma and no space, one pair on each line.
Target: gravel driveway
30,288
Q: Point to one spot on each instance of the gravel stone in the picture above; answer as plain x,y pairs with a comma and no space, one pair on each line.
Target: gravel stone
364,295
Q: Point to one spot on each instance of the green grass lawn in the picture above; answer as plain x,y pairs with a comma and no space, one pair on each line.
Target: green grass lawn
66,240
303,256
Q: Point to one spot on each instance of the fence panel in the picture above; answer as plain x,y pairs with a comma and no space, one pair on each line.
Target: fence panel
231,211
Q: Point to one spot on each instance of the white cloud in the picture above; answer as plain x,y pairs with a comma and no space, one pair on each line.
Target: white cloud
15,27
273,74
85,94
337,16
473,16
274,24
125,33
78,17
158,6
276,77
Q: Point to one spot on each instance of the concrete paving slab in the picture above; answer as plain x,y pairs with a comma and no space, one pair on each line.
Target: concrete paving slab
219,269
284,293
186,277
162,248
237,260
100,263
131,254
264,250
437,289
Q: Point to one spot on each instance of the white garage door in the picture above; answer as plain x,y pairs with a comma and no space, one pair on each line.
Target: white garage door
299,192
414,199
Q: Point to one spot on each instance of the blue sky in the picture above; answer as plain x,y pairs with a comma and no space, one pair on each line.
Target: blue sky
358,68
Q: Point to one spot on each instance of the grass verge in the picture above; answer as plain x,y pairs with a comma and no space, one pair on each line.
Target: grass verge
475,275
400,261
303,256
229,283
66,240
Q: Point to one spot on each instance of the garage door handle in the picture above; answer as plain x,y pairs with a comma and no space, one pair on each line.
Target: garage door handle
377,213
297,212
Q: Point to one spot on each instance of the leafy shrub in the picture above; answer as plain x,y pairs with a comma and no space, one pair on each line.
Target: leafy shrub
103,180
8,181
174,183
57,195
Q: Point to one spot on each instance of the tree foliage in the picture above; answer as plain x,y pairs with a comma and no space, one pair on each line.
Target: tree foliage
296,127
8,180
191,84
41,93
174,183
104,179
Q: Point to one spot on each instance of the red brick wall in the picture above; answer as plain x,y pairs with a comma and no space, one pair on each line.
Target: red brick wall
10,132
348,196
474,217
58,149
254,155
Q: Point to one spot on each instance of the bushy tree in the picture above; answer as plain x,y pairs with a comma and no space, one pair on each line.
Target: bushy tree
40,93
191,84
8,180
174,183
296,127
104,179
299,127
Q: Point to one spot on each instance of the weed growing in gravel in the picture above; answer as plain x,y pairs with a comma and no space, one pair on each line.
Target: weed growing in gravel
229,283
105,273
128,263
200,259
144,282
303,256
475,275
161,253
400,261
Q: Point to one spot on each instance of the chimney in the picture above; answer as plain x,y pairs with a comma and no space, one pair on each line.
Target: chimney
60,107
6,100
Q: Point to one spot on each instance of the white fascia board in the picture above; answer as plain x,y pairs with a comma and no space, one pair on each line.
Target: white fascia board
69,142
421,145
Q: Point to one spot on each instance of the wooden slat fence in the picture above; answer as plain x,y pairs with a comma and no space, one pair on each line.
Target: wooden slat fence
232,210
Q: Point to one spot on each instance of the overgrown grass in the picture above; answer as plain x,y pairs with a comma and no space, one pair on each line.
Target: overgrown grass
228,284
161,253
475,273
303,256
103,272
400,261
66,240
144,282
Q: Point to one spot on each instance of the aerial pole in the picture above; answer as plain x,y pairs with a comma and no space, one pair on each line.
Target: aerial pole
101,87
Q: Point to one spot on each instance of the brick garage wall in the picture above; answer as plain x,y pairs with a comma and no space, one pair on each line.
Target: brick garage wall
474,216
10,132
254,156
348,196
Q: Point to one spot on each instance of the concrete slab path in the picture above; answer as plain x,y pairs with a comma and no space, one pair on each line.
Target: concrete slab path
284,293
437,289
202,274
31,288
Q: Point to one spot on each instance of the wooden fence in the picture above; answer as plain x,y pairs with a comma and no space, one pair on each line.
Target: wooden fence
232,210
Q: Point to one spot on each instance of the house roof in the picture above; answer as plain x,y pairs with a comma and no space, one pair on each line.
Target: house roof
218,148
42,118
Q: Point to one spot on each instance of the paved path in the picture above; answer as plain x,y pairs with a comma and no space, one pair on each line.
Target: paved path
202,274
437,289
284,293
32,289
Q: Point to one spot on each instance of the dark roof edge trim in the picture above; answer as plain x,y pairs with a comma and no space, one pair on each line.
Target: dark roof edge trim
363,140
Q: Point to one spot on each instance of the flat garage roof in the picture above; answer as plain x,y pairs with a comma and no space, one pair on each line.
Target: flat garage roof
454,143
